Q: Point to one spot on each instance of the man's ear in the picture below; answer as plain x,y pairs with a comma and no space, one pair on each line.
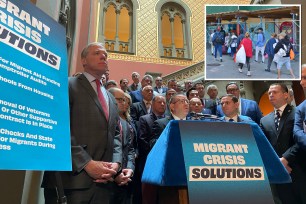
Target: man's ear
84,62
171,106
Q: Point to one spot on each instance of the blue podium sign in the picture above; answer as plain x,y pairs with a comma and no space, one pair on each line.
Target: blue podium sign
223,164
34,109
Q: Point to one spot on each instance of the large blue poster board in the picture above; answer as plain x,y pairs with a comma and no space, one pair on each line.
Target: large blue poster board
223,164
34,109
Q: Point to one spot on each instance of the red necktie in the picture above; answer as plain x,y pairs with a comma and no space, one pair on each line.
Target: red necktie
102,99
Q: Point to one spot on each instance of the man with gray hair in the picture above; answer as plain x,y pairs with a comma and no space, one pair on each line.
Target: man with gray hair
96,146
136,95
212,92
136,84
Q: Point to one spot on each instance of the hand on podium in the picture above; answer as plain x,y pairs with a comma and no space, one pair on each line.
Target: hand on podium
285,163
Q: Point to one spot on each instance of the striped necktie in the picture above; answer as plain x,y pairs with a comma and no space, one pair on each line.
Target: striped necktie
277,119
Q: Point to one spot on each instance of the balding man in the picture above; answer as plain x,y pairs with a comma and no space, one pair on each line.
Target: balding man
137,95
144,107
159,89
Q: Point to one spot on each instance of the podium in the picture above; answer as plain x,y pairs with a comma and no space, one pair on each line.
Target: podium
168,161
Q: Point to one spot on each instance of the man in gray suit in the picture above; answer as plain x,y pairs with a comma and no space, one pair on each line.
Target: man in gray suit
95,135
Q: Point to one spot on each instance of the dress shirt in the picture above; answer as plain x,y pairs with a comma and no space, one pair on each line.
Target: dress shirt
177,118
148,105
235,118
92,81
280,110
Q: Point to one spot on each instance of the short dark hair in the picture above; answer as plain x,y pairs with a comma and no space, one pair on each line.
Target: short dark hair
283,86
230,83
111,82
171,80
121,80
189,90
233,97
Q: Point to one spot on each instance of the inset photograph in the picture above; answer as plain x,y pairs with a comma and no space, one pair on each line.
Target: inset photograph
252,42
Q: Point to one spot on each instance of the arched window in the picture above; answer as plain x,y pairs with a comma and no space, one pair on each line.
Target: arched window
174,29
118,25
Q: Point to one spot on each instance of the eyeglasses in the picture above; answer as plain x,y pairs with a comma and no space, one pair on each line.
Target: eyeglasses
182,101
232,90
121,100
194,104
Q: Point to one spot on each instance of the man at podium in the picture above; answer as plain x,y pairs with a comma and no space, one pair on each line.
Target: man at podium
230,107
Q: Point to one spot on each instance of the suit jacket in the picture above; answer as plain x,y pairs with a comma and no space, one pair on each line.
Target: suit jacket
281,140
240,118
137,110
284,145
299,125
136,96
164,89
248,108
132,87
128,151
211,105
145,133
93,137
157,129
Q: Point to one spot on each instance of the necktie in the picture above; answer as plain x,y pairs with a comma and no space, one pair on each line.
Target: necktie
231,120
102,99
148,106
277,119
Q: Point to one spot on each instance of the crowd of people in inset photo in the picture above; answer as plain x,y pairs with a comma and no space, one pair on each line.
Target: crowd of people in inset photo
278,49
147,110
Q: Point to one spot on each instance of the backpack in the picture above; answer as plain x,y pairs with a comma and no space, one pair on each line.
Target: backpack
219,38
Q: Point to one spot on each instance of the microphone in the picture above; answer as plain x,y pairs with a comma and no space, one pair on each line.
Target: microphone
201,116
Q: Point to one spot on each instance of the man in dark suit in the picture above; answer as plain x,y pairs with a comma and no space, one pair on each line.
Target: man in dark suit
135,85
207,103
95,137
159,86
143,107
179,108
169,94
146,122
145,132
278,128
196,106
137,95
247,107
230,107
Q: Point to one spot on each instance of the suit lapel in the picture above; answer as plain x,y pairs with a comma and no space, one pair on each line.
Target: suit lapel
243,107
283,118
143,106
